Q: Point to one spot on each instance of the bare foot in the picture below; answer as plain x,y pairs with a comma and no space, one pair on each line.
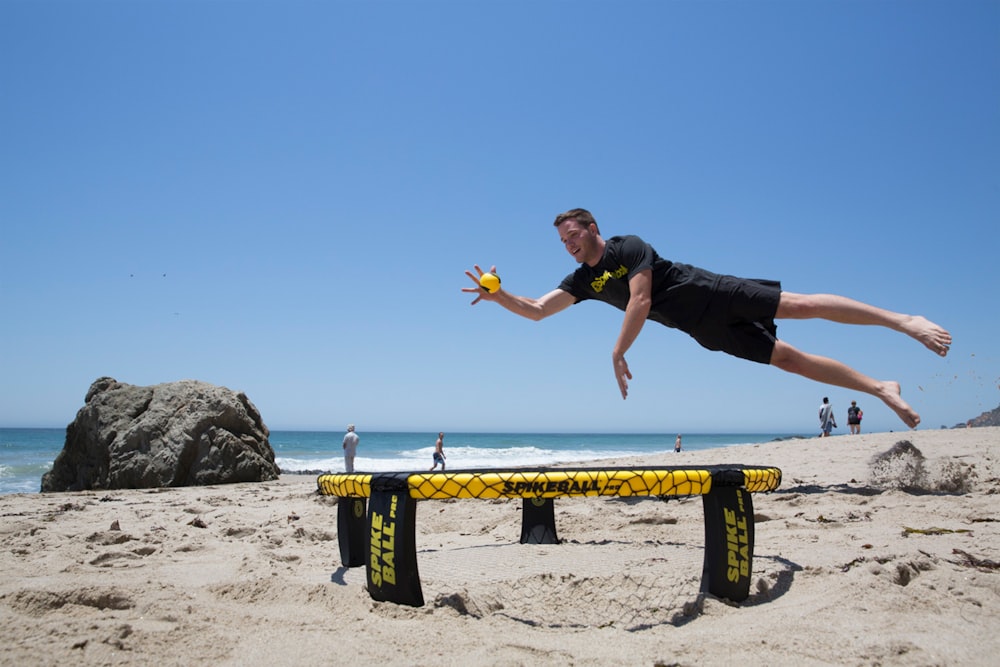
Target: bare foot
890,394
936,339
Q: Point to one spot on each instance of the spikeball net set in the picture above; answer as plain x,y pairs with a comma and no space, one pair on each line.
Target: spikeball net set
376,520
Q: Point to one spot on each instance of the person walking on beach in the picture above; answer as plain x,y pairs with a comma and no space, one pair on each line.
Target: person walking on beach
854,415
726,313
826,421
351,440
677,443
439,452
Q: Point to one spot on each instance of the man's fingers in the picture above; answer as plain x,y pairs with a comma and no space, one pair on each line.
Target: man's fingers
622,375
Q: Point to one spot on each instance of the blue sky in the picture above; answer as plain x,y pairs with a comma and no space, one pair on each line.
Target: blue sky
282,198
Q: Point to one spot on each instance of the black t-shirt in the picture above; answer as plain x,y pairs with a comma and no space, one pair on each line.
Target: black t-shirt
680,292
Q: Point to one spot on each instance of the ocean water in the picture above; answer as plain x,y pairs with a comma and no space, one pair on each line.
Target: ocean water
27,454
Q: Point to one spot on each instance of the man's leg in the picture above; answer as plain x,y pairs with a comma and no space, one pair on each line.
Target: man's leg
830,371
848,311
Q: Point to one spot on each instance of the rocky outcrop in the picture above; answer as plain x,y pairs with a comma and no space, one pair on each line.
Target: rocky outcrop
988,418
185,433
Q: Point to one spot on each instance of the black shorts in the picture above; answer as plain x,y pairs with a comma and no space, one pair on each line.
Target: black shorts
739,319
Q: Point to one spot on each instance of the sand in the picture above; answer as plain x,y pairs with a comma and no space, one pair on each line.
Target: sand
856,563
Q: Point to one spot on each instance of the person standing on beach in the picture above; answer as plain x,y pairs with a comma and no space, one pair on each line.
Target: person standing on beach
725,313
351,440
439,452
677,443
826,421
854,415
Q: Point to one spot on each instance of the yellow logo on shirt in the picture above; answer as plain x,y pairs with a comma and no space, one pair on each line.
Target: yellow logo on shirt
599,282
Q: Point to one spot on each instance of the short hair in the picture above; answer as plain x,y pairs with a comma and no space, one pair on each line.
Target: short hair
581,215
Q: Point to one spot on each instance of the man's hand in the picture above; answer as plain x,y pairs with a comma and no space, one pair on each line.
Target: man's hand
622,374
640,287
479,290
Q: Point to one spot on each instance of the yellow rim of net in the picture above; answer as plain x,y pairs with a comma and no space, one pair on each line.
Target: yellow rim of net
487,484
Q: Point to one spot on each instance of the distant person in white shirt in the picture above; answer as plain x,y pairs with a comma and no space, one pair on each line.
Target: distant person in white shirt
350,447
826,421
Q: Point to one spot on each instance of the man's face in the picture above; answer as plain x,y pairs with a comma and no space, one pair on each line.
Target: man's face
581,242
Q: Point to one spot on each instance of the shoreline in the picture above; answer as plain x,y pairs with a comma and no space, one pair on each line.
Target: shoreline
855,563
26,458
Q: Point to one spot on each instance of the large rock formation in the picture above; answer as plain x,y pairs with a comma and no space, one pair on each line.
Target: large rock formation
186,433
988,418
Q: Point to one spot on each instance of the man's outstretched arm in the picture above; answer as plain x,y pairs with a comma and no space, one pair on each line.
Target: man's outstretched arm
533,309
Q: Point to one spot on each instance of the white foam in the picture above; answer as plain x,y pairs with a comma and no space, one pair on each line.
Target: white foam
456,458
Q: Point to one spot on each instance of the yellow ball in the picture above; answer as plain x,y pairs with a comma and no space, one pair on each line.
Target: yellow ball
490,282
